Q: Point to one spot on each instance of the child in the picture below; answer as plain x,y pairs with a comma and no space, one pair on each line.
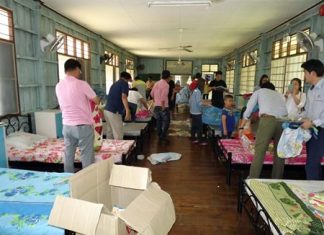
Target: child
228,118
195,102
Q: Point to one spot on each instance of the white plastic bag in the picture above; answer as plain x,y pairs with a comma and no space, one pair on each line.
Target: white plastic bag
291,142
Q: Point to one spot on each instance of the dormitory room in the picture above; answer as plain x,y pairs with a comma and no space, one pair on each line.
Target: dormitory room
156,117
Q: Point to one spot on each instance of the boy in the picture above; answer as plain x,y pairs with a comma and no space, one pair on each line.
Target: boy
195,102
228,118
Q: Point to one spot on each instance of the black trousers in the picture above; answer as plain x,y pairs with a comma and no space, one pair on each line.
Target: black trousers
196,126
315,152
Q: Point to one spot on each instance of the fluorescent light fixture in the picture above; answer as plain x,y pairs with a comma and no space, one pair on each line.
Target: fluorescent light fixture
180,3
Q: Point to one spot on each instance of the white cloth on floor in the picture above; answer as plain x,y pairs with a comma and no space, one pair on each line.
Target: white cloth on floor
157,158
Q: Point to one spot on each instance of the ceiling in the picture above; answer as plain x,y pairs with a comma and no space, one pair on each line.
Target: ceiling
212,32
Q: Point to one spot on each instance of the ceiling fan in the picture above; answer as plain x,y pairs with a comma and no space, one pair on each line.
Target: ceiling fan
178,48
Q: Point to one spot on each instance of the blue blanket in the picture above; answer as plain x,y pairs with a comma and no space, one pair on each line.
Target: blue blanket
26,200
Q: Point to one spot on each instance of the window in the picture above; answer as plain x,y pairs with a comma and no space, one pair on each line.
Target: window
247,79
287,57
208,69
230,75
73,46
6,25
112,69
130,67
9,103
248,72
109,77
114,61
285,69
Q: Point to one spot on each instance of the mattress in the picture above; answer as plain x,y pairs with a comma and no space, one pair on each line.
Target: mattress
52,151
241,155
285,210
26,199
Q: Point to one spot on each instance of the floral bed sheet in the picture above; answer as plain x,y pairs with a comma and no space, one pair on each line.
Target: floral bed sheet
26,199
52,151
241,155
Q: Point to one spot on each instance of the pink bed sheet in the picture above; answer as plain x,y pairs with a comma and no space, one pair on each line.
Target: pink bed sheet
52,151
240,155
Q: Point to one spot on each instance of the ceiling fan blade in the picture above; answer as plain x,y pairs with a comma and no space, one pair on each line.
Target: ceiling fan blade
168,48
186,46
188,50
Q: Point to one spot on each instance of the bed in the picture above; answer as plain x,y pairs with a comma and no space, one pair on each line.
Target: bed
233,154
281,206
137,132
52,151
26,199
41,153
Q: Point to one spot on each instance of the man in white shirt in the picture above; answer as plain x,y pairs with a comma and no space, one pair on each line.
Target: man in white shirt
272,107
135,100
314,71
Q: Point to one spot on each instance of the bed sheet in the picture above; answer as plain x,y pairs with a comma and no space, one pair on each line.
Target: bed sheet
52,151
26,199
284,208
240,155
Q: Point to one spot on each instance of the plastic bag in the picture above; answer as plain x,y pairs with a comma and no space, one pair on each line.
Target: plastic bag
182,97
211,116
291,141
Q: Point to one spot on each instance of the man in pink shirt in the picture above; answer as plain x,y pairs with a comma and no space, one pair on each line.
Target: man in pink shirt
74,96
159,94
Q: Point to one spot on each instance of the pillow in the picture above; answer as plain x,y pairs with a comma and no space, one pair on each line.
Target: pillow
22,140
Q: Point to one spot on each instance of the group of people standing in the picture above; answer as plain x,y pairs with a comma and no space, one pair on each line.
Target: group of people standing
275,107
74,96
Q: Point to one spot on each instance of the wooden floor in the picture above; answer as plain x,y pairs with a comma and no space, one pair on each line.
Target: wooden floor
204,203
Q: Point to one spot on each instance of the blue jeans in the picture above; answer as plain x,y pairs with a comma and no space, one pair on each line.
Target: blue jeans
82,137
162,121
315,152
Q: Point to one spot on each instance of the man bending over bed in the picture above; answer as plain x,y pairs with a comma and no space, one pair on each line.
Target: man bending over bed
74,97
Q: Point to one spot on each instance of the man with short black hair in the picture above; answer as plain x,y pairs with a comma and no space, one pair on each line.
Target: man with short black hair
74,96
159,94
117,104
218,86
314,112
272,107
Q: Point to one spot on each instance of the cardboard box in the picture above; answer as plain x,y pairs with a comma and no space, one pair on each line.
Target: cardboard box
98,188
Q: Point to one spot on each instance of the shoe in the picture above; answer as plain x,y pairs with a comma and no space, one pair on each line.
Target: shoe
203,143
195,142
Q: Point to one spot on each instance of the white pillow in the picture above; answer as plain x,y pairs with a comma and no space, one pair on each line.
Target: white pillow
22,140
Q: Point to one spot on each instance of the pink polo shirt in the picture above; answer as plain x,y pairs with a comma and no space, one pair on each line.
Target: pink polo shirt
74,97
160,93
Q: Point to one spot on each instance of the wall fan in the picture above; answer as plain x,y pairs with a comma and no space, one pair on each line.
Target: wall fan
254,56
51,43
309,41
230,65
178,48
105,58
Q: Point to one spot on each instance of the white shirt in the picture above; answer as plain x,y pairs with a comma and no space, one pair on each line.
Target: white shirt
293,109
315,104
134,97
270,102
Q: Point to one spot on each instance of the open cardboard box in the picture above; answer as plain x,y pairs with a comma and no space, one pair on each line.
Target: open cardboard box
98,188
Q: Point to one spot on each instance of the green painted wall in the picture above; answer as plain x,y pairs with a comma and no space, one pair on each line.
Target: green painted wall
38,72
